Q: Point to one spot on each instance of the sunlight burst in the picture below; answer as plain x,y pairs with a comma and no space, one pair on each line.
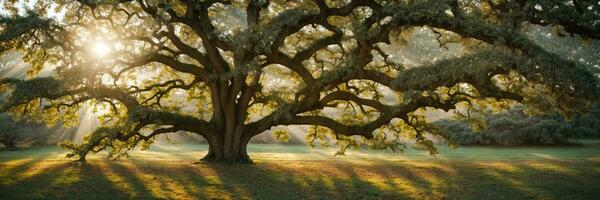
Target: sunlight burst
100,49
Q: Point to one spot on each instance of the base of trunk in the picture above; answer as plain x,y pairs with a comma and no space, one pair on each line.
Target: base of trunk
215,155
11,146
227,159
227,152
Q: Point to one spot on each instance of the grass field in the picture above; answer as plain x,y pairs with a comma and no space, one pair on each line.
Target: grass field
298,172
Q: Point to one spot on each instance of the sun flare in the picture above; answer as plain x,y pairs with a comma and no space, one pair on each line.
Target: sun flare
100,49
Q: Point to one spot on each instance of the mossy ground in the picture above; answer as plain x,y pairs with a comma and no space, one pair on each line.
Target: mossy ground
298,172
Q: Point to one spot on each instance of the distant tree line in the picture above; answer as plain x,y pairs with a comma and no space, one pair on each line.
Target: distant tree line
515,127
13,132
16,132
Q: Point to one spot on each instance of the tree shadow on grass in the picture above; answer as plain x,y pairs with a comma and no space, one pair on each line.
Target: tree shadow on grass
15,167
59,180
36,178
545,179
315,180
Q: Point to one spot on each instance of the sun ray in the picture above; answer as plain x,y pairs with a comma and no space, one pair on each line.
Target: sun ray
100,48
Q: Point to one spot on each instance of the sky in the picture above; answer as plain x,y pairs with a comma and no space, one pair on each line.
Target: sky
22,6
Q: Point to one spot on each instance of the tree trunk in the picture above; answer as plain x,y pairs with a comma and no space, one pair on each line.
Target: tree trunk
218,151
230,112
10,144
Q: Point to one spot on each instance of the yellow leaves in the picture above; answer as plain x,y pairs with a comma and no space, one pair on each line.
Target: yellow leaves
281,135
353,114
178,6
36,58
259,110
512,82
329,55
443,93
319,134
67,144
399,38
146,144
69,117
4,88
426,145
51,116
485,8
475,111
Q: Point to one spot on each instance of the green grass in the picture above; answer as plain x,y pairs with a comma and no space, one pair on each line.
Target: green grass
298,172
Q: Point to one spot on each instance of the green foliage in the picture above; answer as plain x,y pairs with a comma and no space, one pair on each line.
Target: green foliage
476,68
582,15
28,90
281,135
587,124
516,127
17,131
103,138
13,28
321,135
25,33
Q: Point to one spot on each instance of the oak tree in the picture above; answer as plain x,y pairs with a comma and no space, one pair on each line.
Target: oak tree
231,69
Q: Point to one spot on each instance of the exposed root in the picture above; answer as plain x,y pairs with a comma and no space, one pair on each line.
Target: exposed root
211,158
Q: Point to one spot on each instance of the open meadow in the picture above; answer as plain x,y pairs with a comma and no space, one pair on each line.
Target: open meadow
299,172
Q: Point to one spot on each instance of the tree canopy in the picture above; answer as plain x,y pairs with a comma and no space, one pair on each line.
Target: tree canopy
231,69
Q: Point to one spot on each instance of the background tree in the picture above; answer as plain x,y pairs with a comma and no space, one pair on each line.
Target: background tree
229,70
587,124
16,132
515,127
8,133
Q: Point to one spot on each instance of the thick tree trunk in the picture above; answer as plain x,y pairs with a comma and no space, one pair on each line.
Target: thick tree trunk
231,104
220,152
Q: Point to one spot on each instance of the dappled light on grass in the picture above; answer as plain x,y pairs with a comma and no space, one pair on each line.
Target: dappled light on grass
155,184
543,155
552,167
71,176
9,167
502,167
172,172
16,168
514,183
542,177
118,180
